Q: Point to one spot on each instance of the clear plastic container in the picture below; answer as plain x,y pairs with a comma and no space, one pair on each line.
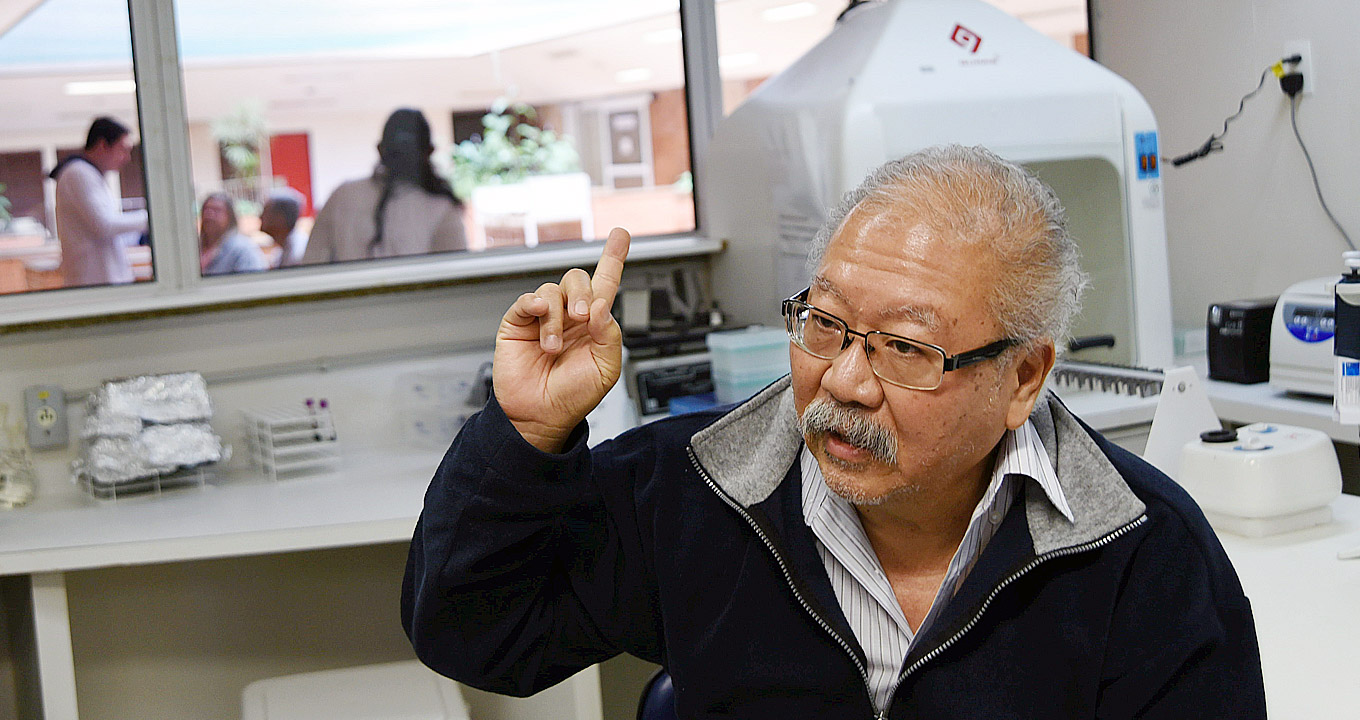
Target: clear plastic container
744,361
736,389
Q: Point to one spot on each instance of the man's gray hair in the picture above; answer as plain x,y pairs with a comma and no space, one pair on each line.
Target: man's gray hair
288,202
972,197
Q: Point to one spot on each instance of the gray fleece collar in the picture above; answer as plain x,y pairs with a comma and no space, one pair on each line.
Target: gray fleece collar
748,451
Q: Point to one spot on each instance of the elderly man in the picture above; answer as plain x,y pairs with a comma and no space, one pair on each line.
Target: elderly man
907,527
279,219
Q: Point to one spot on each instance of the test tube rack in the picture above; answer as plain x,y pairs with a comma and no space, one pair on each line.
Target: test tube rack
287,441
152,484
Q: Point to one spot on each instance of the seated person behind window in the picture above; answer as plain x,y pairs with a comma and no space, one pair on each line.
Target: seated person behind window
222,249
278,220
404,208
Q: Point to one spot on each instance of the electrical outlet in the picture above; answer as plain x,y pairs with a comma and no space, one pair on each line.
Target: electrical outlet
1304,49
45,415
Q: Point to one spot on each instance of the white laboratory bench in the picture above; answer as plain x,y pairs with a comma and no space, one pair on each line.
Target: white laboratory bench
374,499
1306,601
1304,598
1260,402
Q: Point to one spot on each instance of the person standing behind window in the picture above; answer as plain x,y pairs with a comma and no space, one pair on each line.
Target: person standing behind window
222,249
404,208
90,218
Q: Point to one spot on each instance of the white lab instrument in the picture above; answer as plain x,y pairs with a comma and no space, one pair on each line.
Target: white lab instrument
1263,479
431,405
1301,338
1346,351
896,77
1183,412
1346,343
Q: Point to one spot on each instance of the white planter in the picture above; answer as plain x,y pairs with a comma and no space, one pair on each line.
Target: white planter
534,202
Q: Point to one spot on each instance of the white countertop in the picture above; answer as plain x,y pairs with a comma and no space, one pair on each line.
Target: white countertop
372,498
1306,601
1262,403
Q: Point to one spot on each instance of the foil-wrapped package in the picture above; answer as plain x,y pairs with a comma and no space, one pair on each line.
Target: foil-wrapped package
183,445
106,424
116,460
162,399
146,428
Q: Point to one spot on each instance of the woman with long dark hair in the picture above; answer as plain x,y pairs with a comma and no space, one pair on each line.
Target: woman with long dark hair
404,208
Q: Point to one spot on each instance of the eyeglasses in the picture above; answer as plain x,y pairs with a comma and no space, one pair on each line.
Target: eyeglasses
895,359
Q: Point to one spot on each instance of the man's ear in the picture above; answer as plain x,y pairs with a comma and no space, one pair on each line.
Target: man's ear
1031,370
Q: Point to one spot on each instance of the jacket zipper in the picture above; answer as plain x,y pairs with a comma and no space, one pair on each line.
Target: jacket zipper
882,714
1061,552
788,578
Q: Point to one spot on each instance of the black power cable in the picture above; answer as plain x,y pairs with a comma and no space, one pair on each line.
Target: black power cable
1214,143
1294,122
1291,83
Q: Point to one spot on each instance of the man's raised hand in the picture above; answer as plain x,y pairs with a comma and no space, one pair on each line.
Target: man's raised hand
558,350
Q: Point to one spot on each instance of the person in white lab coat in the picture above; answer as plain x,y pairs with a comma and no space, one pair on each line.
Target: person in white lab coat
90,218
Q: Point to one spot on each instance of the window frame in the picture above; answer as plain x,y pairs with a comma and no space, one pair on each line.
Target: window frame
177,284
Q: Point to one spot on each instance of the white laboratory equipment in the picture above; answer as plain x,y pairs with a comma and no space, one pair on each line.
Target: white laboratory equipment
1346,348
17,476
389,691
1304,322
1262,479
895,77
1258,480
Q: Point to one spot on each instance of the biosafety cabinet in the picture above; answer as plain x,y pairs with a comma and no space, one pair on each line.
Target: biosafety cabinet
897,76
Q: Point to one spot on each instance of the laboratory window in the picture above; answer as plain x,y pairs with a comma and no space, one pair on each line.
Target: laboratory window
63,64
431,129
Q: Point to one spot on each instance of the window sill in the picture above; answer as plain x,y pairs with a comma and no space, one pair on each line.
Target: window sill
84,306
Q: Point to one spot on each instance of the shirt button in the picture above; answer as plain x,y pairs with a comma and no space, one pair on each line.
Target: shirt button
995,516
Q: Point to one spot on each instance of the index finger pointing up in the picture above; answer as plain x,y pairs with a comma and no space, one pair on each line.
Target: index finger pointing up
605,282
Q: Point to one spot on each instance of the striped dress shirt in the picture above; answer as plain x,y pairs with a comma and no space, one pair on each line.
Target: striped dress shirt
861,587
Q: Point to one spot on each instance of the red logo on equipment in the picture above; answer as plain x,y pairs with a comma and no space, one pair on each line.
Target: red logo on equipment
965,38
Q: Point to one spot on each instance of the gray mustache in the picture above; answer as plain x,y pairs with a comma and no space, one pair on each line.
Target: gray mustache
825,416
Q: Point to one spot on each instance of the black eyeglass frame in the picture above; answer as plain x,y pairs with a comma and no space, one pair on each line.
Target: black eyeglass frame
792,305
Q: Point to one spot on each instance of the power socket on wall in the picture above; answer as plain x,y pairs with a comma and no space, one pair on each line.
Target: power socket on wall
45,415
1304,49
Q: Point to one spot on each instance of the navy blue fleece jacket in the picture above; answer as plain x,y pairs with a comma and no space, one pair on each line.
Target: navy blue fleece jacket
683,543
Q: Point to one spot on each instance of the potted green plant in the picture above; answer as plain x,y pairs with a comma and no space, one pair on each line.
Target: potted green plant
519,175
510,149
240,135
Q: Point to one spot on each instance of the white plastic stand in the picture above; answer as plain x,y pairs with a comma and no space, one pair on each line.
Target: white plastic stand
153,484
1183,412
285,441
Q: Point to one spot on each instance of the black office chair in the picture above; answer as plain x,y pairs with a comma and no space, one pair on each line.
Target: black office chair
658,698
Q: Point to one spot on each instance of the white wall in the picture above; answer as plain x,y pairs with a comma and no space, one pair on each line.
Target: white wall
1243,222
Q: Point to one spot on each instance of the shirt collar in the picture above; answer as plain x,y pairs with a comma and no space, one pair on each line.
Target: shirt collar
1022,453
